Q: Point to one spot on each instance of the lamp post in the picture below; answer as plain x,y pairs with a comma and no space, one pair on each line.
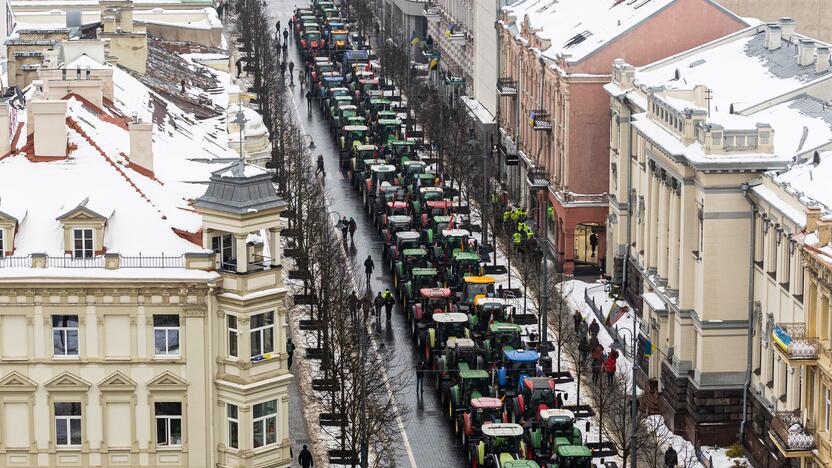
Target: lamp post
633,396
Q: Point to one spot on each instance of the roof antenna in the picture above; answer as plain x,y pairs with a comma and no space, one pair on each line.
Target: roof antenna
816,159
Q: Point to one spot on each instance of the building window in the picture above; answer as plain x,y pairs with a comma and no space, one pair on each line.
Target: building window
166,335
82,245
264,425
233,333
2,246
67,424
223,245
65,335
764,138
168,423
716,139
752,141
233,426
262,334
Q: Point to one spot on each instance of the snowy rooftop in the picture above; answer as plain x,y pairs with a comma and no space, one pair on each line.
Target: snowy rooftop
147,216
809,182
577,28
765,73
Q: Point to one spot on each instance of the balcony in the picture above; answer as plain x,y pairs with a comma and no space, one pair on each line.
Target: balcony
432,14
792,438
540,120
791,342
510,155
506,86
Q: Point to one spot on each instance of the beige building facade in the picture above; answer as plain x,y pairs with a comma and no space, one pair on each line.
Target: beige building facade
686,146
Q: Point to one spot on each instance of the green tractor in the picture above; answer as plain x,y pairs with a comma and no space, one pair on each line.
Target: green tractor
470,384
339,110
399,242
351,136
378,175
407,261
391,208
461,354
403,150
488,310
435,227
419,278
431,301
556,442
387,130
446,327
409,169
464,263
481,411
501,336
501,446
450,241
423,195
360,167
435,207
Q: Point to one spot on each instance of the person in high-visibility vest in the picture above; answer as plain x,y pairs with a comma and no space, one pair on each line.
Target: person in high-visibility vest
506,216
517,239
551,212
515,213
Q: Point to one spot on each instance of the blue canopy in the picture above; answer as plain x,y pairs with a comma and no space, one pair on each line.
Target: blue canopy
333,79
521,355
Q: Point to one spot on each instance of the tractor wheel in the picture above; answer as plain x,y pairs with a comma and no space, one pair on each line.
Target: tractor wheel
412,325
515,411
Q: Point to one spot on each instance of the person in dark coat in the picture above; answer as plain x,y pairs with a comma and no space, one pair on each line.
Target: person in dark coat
420,377
584,348
378,303
353,303
239,64
369,266
352,227
345,226
277,27
290,350
597,360
594,328
609,368
320,169
578,319
305,458
593,242
285,36
670,458
389,301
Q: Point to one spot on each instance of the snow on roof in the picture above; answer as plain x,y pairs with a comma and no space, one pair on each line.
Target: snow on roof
810,182
142,212
716,65
773,199
577,28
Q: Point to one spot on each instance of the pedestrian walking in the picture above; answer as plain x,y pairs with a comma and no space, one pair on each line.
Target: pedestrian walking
290,350
345,225
420,377
378,303
584,349
305,458
594,328
290,23
578,319
597,360
277,26
282,69
285,48
389,301
352,300
309,102
670,458
285,36
369,266
320,168
239,64
593,242
292,75
609,368
352,227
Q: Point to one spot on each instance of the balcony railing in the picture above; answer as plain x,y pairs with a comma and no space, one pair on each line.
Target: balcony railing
507,86
791,436
16,262
100,261
582,198
792,341
540,120
260,263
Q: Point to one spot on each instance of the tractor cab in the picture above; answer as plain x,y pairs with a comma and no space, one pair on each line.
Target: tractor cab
516,366
311,39
340,111
450,241
352,136
303,16
392,208
426,193
410,168
378,175
536,394
463,263
403,150
473,289
489,310
420,278
338,36
557,442
318,67
331,12
482,410
446,327
408,259
359,167
439,207
401,241
500,337
431,300
470,384
501,446
387,130
377,105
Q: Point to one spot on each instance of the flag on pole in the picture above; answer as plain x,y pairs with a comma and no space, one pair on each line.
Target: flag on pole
648,348
414,39
433,63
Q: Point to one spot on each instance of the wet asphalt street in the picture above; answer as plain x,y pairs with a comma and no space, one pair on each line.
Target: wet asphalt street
429,438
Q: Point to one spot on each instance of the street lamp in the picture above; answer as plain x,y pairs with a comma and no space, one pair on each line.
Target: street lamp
633,397
311,144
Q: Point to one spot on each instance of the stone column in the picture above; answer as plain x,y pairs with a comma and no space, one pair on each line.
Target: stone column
242,252
661,255
652,220
274,246
675,212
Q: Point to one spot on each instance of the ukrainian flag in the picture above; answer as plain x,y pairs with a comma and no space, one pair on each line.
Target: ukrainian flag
414,39
433,64
648,348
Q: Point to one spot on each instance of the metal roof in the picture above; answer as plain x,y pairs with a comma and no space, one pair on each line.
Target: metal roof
240,189
502,430
521,355
450,317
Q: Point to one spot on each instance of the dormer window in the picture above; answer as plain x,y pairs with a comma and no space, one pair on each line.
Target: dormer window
82,243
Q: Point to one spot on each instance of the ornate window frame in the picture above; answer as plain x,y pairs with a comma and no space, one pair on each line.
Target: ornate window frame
117,388
67,387
167,386
16,388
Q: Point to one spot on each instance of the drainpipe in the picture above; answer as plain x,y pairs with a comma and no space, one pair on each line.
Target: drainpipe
749,345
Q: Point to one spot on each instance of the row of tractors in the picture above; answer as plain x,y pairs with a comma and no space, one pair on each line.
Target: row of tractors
504,411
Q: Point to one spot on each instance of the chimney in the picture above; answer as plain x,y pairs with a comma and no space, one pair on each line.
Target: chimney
50,127
822,59
773,35
141,146
805,52
812,217
787,26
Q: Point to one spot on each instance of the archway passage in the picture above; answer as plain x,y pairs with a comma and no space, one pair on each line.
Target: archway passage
588,246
